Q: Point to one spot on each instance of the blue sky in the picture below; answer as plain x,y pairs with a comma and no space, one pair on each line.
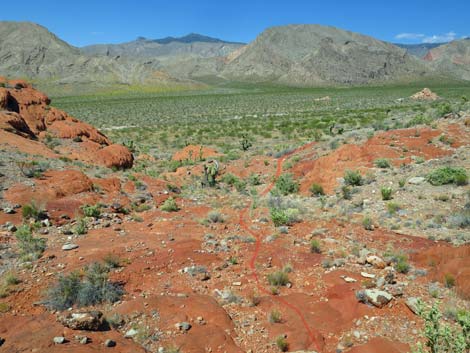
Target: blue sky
102,21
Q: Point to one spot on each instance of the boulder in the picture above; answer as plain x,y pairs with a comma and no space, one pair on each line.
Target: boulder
115,156
416,180
376,261
378,298
425,94
89,320
412,304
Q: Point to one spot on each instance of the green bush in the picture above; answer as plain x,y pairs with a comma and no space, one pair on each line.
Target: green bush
386,193
31,248
284,217
91,210
169,205
317,189
393,207
442,337
254,179
286,184
81,227
90,288
367,223
448,175
275,317
449,280
32,211
382,163
215,217
282,344
353,178
315,246
278,278
229,179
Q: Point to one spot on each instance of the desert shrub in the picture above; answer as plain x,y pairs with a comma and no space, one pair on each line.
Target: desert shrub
169,205
367,223
91,210
282,344
80,227
31,248
278,278
89,287
401,183
229,179
32,211
317,190
440,336
254,179
353,178
393,207
315,246
448,175
284,217
215,217
346,192
112,261
286,185
382,163
449,280
444,108
386,193
245,143
275,317
402,265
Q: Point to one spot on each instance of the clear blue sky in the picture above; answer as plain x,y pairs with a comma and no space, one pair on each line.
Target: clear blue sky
82,22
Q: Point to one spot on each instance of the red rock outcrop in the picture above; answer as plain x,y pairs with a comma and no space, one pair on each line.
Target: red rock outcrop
25,111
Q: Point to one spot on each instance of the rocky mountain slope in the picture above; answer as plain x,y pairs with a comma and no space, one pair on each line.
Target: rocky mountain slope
30,50
194,45
305,55
452,58
419,50
313,54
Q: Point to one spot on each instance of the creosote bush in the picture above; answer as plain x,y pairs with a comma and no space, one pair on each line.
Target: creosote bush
83,288
31,248
169,205
282,344
91,210
278,278
382,163
315,246
353,178
448,175
33,211
286,185
317,190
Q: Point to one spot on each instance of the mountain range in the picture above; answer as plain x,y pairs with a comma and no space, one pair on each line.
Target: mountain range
300,55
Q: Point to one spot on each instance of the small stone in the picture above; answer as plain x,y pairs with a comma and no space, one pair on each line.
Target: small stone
109,343
349,280
131,333
412,304
416,180
68,247
9,210
59,340
12,228
238,284
82,339
367,275
183,326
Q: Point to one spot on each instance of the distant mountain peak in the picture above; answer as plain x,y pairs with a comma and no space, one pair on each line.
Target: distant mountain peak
191,38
